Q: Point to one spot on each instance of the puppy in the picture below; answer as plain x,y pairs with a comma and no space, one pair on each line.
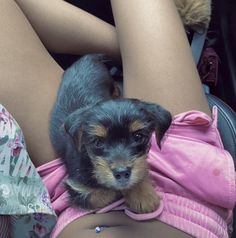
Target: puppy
195,14
104,141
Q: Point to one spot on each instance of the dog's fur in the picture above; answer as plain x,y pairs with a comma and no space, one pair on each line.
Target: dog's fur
104,141
195,14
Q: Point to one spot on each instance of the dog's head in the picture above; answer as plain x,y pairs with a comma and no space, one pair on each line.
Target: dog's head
115,135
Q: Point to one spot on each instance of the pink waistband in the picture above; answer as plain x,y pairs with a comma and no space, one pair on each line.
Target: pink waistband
182,213
190,216
194,218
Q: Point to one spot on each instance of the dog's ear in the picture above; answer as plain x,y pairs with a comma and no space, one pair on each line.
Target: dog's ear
73,126
159,116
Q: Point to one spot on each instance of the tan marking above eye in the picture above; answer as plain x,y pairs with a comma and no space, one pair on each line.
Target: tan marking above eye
99,130
136,125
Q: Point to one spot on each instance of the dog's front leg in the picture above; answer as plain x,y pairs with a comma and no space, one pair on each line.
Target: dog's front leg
142,198
101,197
90,198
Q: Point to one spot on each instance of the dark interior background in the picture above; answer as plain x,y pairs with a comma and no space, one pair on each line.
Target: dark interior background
223,25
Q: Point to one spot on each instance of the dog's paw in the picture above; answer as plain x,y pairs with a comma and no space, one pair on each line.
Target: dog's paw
142,198
144,204
90,198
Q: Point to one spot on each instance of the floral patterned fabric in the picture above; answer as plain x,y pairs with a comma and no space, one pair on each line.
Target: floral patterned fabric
25,208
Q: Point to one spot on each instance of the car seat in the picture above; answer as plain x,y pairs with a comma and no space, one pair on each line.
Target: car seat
227,129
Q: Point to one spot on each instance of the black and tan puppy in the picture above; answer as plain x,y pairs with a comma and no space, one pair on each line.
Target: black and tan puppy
104,141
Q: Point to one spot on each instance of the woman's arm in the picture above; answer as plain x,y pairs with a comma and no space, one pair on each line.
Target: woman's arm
157,60
64,28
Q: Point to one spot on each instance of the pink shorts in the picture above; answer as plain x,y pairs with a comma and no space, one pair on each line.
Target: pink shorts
192,173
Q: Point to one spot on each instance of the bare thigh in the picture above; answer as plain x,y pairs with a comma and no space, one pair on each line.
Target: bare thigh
29,80
119,225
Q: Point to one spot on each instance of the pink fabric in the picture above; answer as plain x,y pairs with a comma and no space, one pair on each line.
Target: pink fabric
193,174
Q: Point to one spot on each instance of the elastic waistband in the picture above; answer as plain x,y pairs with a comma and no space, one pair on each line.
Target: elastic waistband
182,213
193,217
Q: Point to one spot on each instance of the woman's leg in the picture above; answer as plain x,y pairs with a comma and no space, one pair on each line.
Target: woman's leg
29,80
29,76
64,28
157,60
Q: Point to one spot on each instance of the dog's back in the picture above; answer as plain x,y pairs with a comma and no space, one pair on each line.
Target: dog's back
85,83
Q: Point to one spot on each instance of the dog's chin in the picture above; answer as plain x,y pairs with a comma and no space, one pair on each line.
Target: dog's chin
123,186
120,186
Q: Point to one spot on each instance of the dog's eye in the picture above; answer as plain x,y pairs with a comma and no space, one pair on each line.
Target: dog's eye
99,143
139,137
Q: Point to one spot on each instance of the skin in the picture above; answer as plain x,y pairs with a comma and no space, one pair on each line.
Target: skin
164,63
28,26
71,33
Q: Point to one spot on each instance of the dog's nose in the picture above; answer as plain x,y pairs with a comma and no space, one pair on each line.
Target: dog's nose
122,174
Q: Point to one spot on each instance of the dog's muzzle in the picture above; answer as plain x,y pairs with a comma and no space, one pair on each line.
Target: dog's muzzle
122,176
